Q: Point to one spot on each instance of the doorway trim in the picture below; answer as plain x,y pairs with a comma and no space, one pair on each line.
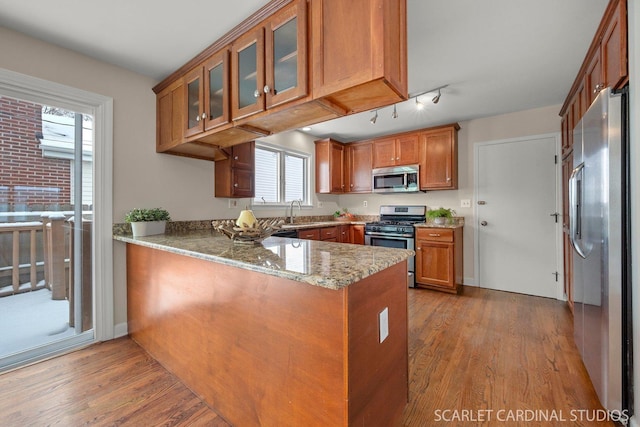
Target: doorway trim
558,179
37,90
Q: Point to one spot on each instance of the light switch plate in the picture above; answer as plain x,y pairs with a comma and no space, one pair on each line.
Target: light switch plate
465,203
320,204
233,203
383,322
365,204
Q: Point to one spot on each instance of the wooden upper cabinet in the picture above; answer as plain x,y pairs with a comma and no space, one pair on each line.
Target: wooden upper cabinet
605,65
384,152
291,64
408,150
170,105
206,95
593,82
330,156
359,160
247,88
286,55
235,175
270,62
439,166
359,52
396,151
613,48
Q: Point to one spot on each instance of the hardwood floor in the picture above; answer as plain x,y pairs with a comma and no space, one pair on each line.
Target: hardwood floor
481,358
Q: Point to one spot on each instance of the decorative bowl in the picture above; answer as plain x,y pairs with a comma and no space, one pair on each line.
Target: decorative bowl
262,229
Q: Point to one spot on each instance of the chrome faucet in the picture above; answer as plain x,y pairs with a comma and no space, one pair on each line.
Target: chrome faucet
299,202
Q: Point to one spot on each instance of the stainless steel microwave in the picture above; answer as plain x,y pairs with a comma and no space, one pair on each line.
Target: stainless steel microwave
396,179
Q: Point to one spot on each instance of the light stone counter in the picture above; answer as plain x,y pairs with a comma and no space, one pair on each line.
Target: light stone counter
326,264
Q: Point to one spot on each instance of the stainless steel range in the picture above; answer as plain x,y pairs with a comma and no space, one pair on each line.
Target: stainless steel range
395,230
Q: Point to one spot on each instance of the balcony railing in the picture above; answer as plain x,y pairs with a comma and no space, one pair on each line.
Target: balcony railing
39,254
14,269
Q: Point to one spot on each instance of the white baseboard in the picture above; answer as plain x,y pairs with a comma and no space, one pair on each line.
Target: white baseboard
120,330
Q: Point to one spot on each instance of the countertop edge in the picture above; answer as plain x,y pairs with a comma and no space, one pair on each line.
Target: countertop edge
311,279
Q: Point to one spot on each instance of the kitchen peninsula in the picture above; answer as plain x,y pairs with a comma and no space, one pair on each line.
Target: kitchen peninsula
289,332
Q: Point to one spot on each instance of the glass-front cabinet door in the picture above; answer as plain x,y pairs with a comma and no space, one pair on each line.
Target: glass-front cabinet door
216,91
248,79
286,55
194,117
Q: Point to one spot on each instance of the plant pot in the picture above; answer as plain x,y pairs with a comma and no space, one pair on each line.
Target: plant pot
148,228
439,220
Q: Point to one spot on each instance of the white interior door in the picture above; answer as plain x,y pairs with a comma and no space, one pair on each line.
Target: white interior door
516,230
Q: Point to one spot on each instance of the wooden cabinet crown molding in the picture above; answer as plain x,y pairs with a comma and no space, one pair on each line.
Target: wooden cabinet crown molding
261,14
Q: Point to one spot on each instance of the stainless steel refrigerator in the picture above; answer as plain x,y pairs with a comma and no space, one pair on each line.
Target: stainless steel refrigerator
596,231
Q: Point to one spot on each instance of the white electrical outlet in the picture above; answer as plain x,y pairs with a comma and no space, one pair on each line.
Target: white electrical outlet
365,204
233,203
320,204
383,323
465,203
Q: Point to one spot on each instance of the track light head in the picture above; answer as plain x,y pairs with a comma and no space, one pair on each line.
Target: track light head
419,105
374,118
436,98
395,112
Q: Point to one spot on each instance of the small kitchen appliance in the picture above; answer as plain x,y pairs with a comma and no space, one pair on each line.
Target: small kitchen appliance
396,179
395,230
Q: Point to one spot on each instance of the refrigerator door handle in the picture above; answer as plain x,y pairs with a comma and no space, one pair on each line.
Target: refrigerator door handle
575,209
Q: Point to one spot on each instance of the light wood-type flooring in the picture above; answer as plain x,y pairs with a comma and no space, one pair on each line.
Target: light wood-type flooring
480,358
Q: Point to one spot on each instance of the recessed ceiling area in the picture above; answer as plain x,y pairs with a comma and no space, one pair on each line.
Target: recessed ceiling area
495,56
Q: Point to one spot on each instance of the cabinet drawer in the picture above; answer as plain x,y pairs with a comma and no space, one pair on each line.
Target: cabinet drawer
435,234
328,233
312,234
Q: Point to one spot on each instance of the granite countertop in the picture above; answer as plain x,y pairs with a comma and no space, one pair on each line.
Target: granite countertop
326,264
455,222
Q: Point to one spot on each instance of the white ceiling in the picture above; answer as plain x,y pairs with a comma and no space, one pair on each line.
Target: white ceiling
497,56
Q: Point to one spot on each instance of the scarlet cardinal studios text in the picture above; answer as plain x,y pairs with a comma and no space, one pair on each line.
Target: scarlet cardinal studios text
528,415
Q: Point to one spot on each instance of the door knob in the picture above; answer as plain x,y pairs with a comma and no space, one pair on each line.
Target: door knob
483,223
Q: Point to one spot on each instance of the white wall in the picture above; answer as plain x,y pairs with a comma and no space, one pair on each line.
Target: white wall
525,123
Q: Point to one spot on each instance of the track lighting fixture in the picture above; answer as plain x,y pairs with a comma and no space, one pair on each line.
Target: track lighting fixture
419,105
374,118
395,112
436,98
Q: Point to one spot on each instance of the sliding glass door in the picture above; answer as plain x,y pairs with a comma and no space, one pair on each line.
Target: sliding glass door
46,230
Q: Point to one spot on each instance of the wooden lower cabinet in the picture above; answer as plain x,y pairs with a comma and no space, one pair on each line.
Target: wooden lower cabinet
309,234
268,351
357,234
439,258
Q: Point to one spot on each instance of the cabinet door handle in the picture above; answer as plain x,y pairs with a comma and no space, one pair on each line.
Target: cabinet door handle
235,157
397,158
418,248
266,89
235,185
197,118
448,179
204,116
434,235
256,94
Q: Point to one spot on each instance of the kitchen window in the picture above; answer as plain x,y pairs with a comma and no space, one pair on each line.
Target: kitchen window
281,176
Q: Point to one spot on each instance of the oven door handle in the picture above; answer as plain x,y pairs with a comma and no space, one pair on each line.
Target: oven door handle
399,236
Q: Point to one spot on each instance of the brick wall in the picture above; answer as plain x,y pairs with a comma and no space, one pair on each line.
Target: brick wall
27,180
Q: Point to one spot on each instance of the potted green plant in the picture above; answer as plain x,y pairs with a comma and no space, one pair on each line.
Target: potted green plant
440,215
146,222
